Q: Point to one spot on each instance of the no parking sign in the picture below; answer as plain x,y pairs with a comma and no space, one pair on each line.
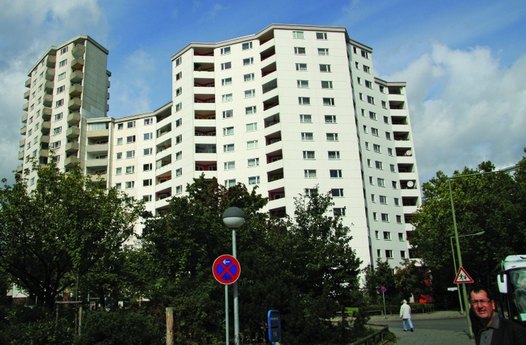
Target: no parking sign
226,269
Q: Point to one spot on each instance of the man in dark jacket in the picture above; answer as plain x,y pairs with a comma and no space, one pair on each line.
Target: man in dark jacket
489,328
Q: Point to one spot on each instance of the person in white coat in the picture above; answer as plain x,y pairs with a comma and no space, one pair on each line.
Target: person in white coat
405,315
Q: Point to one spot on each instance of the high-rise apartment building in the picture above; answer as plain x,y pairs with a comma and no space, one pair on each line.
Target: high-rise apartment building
288,109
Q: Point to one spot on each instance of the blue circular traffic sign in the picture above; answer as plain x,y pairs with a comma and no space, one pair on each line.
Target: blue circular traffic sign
226,269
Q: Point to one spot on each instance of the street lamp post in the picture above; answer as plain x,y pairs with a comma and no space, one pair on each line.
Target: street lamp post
234,217
455,265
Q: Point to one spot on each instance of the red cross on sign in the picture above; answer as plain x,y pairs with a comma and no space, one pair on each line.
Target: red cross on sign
226,269
463,277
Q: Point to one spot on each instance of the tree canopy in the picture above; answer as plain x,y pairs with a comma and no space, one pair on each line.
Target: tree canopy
61,229
485,200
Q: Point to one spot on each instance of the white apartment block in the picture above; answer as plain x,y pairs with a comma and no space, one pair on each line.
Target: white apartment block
287,109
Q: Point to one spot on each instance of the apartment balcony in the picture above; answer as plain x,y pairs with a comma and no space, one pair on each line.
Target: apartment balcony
205,83
46,126
46,113
26,95
205,131
97,148
204,90
23,130
50,74
203,51
269,86
44,139
71,160
207,174
268,69
28,82
48,86
24,117
97,162
21,154
73,118
205,107
74,104
164,194
21,143
51,60
267,50
72,147
204,115
401,136
270,103
204,98
25,107
75,90
76,76
78,50
277,203
72,132
77,64
272,139
47,100
205,166
43,153
398,112
203,59
204,66
271,120
399,120
19,168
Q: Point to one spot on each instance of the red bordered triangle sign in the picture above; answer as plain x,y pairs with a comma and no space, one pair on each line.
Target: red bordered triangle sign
463,277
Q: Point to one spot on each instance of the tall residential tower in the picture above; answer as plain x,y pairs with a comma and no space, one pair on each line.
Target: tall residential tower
288,109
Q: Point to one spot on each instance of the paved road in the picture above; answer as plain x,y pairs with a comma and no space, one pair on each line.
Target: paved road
437,328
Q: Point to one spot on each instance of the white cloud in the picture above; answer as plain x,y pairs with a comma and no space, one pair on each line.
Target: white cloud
466,107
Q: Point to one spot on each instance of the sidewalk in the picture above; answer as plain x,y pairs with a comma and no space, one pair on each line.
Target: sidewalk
436,328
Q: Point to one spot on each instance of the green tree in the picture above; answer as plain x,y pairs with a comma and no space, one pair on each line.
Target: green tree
61,230
484,200
412,279
305,269
381,275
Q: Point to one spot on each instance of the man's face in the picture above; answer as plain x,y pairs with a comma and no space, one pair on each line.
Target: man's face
482,305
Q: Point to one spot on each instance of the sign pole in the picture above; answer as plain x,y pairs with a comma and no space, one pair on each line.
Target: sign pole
236,296
227,340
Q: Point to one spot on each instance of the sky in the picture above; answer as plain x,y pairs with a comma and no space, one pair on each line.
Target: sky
464,62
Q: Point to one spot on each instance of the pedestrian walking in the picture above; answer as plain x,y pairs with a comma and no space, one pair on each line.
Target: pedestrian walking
405,315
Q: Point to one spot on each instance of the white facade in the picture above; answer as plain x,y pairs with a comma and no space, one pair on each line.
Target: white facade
287,109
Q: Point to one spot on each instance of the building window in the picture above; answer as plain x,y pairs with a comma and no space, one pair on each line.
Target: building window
323,51
250,110
325,68
301,67
226,65
148,136
225,50
178,61
338,211
385,217
299,50
250,93
60,89
337,192
376,148
251,127
366,69
335,173
178,75
302,84
130,124
147,182
120,126
61,76
148,151
387,135
246,45
389,253
178,189
330,118
402,254
230,183
372,115
305,118
368,84
328,101
228,113
226,81
59,103
228,131
399,219
178,172
226,98
248,61
309,155
130,184
63,50
130,139
387,235
252,144
178,91
253,162
304,100
326,84
378,165
383,200
119,155
147,167
332,136
370,100
298,35
229,165
248,77
130,169
307,136
178,155
396,201
58,116
380,181
178,122
130,154
309,173
401,236
374,131
333,154
118,171
253,180
321,35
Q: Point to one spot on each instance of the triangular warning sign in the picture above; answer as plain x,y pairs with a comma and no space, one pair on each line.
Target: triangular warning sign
463,277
